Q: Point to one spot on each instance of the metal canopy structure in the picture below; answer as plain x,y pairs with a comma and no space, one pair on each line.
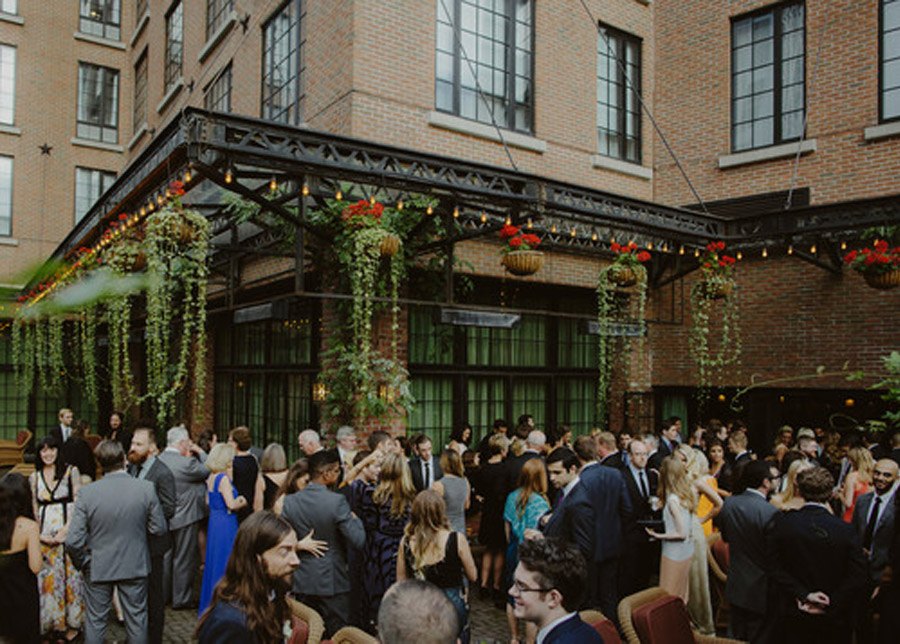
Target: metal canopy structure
229,153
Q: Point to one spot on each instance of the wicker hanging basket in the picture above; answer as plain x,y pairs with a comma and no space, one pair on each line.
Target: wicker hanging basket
390,244
523,262
623,276
883,281
717,290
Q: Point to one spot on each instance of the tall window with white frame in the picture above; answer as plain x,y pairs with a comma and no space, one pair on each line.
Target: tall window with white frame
9,7
174,45
768,87
7,85
618,87
284,63
139,119
6,188
217,12
486,47
218,95
101,18
89,185
889,76
98,103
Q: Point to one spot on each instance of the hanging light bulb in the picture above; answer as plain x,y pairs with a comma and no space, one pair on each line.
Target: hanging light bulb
508,220
650,246
151,206
159,199
273,185
696,252
400,204
665,248
594,237
681,250
790,250
765,252
304,190
483,218
429,210
529,224
456,212
553,228
812,249
143,211
229,176
740,255
573,232
338,195
843,245
187,175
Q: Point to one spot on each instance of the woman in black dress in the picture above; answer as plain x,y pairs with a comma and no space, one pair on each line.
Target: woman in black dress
20,561
490,486
247,479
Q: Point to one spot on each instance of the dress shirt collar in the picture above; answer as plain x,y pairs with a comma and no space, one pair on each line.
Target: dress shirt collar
174,450
569,486
887,494
544,632
635,472
755,491
741,454
144,467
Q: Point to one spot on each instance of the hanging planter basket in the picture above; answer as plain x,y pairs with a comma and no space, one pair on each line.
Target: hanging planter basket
390,244
523,262
717,290
623,276
883,281
139,263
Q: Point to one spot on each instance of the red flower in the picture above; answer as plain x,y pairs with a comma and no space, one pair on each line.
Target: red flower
711,247
509,231
849,257
176,188
720,245
723,263
881,246
615,247
531,240
643,256
870,259
515,242
123,217
707,265
21,298
113,225
632,246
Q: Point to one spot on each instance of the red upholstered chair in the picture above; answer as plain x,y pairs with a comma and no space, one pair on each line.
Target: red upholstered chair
304,618
602,625
300,632
653,616
13,452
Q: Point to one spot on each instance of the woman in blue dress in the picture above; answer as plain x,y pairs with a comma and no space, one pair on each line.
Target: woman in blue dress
223,522
524,507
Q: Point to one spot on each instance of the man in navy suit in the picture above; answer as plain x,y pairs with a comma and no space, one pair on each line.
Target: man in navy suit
424,467
668,442
547,588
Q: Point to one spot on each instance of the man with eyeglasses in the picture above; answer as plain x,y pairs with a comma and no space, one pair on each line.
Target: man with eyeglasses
548,585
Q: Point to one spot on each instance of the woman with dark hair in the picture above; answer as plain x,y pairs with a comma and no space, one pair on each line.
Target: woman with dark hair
247,479
454,489
460,439
248,604
490,484
296,479
274,470
117,430
54,488
20,561
431,551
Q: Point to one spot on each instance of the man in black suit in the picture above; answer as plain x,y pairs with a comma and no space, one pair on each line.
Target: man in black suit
571,519
608,451
424,466
669,436
63,430
484,450
818,567
145,465
745,521
534,447
640,556
738,456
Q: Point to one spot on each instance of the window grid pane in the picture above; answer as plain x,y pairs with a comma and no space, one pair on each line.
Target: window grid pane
530,396
429,343
768,77
174,45
218,96
576,400
89,185
6,188
98,103
485,401
101,18
217,12
140,92
7,84
890,60
284,60
488,46
618,106
9,6
523,346
433,412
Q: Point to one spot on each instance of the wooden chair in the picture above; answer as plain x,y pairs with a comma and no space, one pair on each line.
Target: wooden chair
304,618
12,452
653,616
351,635
717,557
602,624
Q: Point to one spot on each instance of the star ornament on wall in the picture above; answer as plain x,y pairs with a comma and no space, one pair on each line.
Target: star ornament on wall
46,149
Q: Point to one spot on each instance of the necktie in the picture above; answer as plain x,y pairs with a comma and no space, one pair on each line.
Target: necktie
427,474
870,527
644,491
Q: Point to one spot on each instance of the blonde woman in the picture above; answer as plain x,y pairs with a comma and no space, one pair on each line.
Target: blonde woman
709,504
223,523
430,550
677,541
789,499
454,489
858,480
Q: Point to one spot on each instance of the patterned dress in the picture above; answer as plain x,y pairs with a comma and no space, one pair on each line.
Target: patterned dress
61,586
383,535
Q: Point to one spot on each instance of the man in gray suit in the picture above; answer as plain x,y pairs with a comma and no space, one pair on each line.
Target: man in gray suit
107,540
324,583
184,459
745,519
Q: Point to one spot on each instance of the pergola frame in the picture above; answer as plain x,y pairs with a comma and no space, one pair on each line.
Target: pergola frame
236,152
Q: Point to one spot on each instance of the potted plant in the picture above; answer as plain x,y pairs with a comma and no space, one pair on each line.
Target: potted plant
520,256
717,271
879,265
627,269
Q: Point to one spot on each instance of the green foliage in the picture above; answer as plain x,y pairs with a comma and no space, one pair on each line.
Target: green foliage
891,382
710,353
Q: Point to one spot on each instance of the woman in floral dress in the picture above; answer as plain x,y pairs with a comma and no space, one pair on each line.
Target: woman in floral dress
54,486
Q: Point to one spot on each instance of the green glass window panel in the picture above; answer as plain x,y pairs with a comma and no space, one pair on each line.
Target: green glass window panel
250,343
13,405
223,338
576,401
256,397
223,410
433,413
575,348
529,396
292,341
298,411
523,346
429,343
486,401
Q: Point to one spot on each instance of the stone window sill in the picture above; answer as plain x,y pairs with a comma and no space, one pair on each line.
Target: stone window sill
138,135
453,123
767,154
97,145
139,29
16,20
8,241
172,93
217,37
622,167
11,129
883,131
103,42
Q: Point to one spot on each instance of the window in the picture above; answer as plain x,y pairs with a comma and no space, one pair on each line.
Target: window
767,77
890,60
140,92
6,186
618,84
139,10
101,18
98,103
217,12
486,45
174,45
433,412
8,6
284,39
218,96
7,84
89,185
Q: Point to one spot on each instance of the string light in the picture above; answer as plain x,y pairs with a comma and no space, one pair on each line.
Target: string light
844,245
429,210
456,213
765,253
400,204
553,228
650,246
812,249
573,233
681,250
187,175
483,218
229,176
508,220
304,190
273,185
338,195
696,252
143,211
594,237
665,248
159,199
529,224
372,200
790,250
740,255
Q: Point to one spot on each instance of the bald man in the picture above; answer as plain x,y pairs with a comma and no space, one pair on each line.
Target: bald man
873,516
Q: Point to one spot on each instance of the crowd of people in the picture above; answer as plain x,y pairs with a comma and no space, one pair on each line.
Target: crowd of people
387,536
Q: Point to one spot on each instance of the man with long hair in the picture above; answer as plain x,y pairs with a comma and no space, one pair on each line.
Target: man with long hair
248,604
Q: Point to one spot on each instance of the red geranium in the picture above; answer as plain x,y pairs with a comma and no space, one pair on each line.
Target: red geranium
643,256
509,231
880,258
515,242
363,213
176,188
532,240
714,263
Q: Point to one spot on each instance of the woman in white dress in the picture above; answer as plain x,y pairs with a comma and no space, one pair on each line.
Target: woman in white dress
677,540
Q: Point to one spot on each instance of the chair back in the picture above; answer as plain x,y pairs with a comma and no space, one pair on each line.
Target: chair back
663,621
718,556
23,437
315,625
629,604
352,635
602,624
